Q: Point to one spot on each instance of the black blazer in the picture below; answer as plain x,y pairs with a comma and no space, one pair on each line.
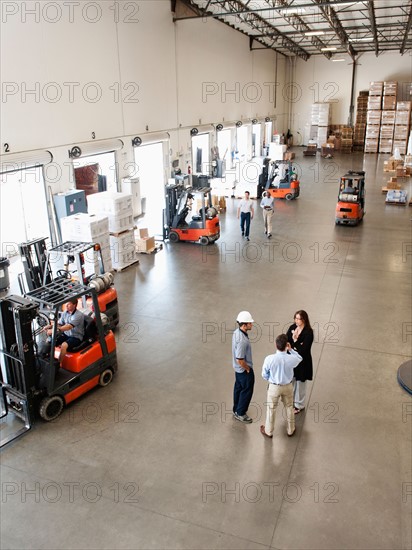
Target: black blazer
304,371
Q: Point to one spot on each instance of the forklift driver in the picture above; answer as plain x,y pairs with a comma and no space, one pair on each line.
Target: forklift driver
70,329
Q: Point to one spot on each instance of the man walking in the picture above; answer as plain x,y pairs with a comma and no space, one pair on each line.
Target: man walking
245,212
267,204
278,371
243,366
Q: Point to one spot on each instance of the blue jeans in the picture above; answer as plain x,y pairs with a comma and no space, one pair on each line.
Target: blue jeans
243,391
245,220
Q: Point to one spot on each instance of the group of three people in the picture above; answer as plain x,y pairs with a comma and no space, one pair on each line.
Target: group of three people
286,371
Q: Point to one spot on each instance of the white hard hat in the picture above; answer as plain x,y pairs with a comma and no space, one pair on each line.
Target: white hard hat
244,317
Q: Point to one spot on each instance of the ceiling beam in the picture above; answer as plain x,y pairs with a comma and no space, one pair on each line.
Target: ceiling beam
335,24
371,11
299,24
253,20
407,30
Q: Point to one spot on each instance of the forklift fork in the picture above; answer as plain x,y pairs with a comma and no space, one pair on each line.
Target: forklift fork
13,404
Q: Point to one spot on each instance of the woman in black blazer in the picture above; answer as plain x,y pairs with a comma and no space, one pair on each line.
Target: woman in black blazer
300,337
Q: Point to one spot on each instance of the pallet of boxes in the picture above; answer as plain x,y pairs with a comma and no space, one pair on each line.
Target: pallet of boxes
395,192
144,243
373,119
89,228
118,209
361,120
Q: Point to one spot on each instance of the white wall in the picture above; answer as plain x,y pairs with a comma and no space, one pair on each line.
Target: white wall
319,79
148,73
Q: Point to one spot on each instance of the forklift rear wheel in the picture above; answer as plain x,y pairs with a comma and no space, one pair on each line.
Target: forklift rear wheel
204,240
51,407
106,377
173,237
289,197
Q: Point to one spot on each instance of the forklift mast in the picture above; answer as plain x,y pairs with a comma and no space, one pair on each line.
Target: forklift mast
17,361
36,267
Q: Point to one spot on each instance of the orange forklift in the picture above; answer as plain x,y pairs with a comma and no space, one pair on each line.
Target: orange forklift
82,261
31,381
202,228
282,181
350,208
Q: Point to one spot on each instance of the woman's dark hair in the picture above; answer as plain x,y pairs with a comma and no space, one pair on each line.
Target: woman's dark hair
305,317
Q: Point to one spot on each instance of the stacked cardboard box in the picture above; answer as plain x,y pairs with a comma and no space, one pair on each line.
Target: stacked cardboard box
390,91
402,125
144,243
347,139
320,121
361,119
373,117
89,228
118,208
386,132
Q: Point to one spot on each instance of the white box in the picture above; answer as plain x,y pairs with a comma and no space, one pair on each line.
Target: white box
121,222
109,202
122,243
84,227
124,259
131,186
276,151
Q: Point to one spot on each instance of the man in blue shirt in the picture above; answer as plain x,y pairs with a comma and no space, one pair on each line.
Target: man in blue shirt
70,329
278,371
243,366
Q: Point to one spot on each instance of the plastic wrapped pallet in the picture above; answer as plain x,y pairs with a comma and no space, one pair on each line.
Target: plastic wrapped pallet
371,145
401,145
376,88
374,116
388,117
109,203
374,102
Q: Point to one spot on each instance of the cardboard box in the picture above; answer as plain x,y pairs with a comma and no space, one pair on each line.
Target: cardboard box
144,243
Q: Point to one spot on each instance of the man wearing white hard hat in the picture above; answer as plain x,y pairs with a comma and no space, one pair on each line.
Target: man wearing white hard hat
243,366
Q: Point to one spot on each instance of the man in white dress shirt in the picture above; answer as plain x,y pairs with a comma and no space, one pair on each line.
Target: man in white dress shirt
278,371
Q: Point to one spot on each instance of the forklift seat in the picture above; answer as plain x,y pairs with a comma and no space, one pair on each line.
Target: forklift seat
90,334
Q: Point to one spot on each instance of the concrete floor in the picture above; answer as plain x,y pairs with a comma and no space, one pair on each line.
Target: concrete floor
156,461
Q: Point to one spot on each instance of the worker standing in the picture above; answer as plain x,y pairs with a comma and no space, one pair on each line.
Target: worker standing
243,366
245,212
267,204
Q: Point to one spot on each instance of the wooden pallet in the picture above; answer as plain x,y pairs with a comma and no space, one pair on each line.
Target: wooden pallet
157,247
120,269
396,203
119,233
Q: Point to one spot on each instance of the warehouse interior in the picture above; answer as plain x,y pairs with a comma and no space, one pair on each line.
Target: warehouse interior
127,101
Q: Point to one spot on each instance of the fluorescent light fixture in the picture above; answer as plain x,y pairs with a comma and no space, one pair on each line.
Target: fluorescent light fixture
293,11
331,49
337,60
367,39
344,4
314,33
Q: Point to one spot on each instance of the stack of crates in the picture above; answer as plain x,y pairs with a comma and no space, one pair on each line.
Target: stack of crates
361,119
89,228
390,90
320,122
118,208
373,117
346,140
402,126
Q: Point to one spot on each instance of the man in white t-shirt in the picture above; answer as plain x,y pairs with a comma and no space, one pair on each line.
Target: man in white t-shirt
245,212
267,204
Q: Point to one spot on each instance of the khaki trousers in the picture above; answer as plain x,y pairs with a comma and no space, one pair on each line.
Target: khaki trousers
285,393
267,218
